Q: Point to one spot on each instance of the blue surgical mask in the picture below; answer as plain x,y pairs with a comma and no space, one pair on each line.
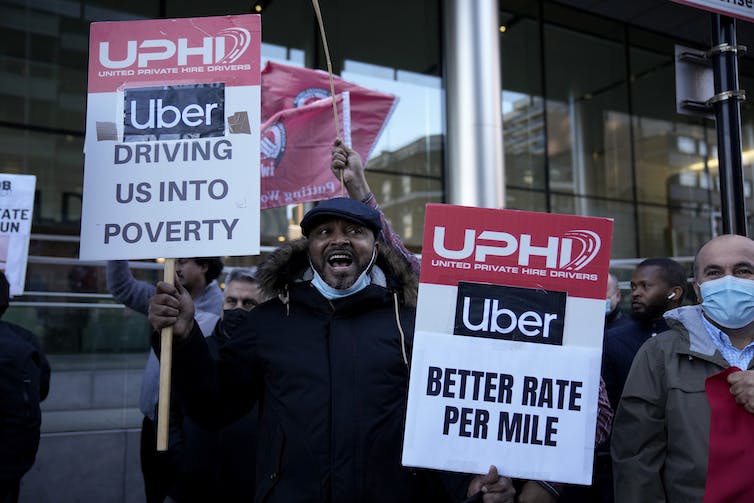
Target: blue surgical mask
331,293
608,309
728,301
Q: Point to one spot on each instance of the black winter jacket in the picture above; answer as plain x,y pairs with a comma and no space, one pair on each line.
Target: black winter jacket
212,465
331,378
24,382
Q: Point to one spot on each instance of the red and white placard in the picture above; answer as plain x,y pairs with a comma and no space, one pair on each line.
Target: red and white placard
507,348
172,139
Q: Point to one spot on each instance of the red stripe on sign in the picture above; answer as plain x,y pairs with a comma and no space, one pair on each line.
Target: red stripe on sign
565,253
175,51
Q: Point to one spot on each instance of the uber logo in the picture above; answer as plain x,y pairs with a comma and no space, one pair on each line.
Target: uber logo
510,313
186,111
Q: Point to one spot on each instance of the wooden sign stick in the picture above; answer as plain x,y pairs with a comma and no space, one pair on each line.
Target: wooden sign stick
166,363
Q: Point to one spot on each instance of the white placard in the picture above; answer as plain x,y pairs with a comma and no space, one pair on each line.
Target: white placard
16,208
522,407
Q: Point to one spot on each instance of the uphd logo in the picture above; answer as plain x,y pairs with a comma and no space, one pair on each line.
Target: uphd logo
194,111
510,313
571,252
224,48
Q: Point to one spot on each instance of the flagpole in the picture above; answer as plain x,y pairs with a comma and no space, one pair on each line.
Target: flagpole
315,3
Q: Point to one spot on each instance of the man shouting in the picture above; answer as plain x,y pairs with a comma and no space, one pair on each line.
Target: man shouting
327,360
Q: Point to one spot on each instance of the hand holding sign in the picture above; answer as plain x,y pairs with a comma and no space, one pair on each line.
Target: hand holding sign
493,487
172,306
742,388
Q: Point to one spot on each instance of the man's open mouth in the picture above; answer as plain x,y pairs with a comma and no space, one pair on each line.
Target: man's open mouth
337,260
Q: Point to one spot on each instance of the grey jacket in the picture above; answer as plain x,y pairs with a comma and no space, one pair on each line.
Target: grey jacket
136,294
661,430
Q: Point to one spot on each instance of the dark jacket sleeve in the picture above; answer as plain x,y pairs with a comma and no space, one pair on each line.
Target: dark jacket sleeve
456,484
44,373
609,370
44,365
639,438
214,392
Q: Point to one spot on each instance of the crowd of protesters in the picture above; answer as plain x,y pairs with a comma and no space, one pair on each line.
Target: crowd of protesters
291,384
351,274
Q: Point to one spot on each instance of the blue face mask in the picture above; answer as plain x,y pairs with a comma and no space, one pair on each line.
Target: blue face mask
331,293
608,309
728,301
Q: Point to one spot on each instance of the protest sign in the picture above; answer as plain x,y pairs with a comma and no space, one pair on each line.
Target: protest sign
507,348
172,139
297,151
16,206
285,87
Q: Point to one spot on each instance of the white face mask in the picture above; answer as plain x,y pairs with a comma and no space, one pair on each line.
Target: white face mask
331,293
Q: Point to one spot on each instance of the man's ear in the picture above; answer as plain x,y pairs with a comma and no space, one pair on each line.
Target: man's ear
676,294
698,292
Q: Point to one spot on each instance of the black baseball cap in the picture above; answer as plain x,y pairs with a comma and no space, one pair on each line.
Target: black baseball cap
344,208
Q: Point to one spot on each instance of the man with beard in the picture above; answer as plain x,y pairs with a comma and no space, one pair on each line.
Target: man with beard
327,360
657,286
679,434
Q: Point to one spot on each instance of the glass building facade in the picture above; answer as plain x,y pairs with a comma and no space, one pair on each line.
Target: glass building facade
589,128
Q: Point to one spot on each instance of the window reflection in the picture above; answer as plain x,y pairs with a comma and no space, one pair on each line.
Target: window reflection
523,112
405,167
604,132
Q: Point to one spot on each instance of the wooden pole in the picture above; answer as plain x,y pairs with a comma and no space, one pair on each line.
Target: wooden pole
318,13
166,363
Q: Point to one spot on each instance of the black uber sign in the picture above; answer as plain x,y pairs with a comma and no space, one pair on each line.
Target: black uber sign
510,313
184,111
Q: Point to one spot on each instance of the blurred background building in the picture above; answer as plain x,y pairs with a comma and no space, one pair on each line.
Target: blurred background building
589,128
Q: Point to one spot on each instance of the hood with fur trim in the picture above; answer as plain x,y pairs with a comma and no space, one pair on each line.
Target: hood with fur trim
290,264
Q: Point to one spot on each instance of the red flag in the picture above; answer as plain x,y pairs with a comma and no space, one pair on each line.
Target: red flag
285,87
296,151
731,442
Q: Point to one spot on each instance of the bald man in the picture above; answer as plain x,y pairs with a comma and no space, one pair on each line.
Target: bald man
661,433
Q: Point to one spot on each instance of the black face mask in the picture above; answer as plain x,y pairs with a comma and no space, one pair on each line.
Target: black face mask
232,319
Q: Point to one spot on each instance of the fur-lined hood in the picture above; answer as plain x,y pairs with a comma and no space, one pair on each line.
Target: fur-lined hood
290,263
